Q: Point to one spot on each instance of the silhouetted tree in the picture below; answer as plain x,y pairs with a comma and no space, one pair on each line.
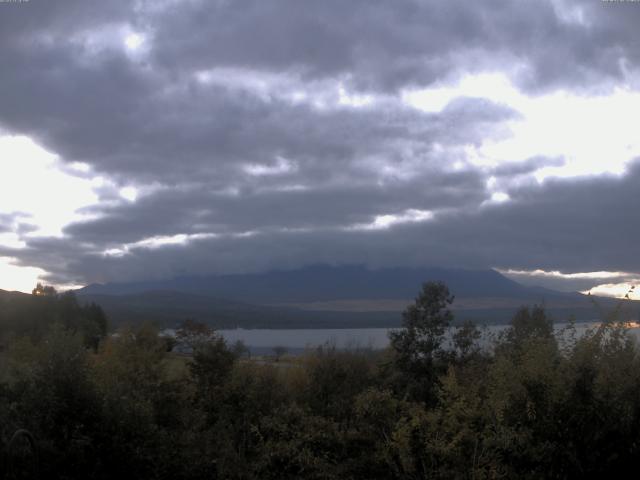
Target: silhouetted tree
279,351
44,290
194,334
465,340
418,345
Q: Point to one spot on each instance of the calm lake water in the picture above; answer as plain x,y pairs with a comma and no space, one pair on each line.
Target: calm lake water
263,340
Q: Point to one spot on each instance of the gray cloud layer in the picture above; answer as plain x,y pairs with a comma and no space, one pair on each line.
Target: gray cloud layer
230,114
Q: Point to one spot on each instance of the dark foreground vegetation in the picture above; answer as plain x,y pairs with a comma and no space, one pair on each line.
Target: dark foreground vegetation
536,404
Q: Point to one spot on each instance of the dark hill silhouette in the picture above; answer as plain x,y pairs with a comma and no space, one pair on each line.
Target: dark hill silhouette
6,294
326,296
323,283
33,315
167,308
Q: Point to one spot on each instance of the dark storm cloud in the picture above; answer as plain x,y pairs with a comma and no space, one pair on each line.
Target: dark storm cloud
22,23
143,119
336,179
341,206
300,174
93,103
572,226
123,123
391,45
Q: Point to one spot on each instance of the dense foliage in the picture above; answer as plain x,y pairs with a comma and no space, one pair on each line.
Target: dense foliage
33,315
531,403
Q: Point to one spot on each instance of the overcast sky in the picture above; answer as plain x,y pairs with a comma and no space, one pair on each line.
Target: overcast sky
148,139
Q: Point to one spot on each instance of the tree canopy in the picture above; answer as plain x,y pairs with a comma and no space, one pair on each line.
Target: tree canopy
441,402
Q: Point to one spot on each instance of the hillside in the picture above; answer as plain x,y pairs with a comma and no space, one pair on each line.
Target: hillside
33,316
325,296
167,308
327,283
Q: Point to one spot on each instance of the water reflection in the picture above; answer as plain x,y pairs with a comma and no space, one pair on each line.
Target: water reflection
375,338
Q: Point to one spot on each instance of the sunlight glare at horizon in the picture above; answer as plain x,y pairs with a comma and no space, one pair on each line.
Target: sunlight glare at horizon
41,197
616,290
14,277
612,288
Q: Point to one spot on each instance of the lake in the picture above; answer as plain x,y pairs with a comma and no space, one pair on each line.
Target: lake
262,341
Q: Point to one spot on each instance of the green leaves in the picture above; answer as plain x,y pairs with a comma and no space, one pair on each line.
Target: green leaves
418,347
435,405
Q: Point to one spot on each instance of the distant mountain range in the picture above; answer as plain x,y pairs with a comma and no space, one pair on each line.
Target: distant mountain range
326,296
325,283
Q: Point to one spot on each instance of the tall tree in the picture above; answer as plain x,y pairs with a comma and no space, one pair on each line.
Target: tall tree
417,347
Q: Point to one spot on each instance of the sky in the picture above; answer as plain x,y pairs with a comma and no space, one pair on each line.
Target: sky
150,139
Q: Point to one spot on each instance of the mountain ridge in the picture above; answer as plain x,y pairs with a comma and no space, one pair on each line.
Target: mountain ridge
323,283
326,296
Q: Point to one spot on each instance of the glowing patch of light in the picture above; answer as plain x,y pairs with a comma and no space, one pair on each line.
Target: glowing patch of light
432,100
115,252
78,168
262,84
594,134
558,274
617,290
159,241
299,96
295,230
129,193
133,41
499,197
352,99
321,94
33,182
492,86
247,234
458,166
292,188
63,287
281,167
384,222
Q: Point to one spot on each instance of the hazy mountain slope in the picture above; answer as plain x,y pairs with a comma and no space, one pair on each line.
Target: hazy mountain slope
324,296
323,283
5,294
168,308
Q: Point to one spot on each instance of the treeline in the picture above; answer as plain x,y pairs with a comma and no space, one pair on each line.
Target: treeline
533,404
33,315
